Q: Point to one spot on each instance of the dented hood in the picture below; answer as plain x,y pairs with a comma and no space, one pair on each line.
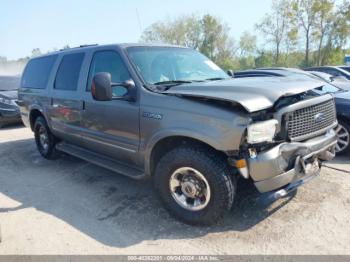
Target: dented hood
253,93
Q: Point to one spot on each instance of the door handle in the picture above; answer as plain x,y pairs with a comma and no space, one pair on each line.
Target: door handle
82,105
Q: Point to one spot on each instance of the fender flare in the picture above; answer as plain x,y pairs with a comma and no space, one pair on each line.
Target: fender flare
41,110
180,132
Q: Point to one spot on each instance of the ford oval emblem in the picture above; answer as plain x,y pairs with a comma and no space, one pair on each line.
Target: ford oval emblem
319,117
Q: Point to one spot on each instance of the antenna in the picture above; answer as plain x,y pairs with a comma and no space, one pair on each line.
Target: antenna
139,20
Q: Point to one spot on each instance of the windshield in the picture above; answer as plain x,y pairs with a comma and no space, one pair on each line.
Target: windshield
170,64
8,83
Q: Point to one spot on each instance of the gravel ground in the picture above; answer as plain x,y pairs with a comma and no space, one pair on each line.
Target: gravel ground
69,206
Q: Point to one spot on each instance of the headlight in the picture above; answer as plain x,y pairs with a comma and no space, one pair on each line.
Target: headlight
7,101
262,131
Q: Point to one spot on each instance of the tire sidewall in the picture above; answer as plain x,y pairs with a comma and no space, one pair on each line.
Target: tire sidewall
48,153
219,201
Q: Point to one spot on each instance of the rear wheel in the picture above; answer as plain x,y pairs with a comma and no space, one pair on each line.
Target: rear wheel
195,184
44,139
343,133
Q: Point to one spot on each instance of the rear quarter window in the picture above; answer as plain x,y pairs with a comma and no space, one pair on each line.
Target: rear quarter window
68,72
37,72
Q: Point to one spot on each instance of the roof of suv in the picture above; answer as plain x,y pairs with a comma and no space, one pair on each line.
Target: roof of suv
121,45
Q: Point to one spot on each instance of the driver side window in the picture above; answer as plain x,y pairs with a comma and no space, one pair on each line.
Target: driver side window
110,62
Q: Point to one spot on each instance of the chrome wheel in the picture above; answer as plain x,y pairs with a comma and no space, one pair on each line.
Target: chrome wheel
343,138
44,138
189,188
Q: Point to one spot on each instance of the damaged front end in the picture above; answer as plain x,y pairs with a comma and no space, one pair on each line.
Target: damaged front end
303,138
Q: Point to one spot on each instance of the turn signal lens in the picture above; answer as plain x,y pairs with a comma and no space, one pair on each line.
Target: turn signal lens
241,163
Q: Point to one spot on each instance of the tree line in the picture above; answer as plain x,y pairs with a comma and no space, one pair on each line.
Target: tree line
295,33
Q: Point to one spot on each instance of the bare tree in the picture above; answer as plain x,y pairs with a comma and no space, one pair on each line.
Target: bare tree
275,25
303,14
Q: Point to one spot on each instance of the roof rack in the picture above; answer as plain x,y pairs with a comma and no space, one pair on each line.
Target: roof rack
81,46
88,45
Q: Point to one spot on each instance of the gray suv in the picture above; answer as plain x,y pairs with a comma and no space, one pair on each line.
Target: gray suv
170,113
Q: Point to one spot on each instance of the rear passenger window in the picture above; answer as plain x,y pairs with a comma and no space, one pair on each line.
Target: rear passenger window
37,72
68,72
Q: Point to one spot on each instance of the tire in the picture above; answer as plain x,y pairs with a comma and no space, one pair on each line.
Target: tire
343,133
46,146
215,170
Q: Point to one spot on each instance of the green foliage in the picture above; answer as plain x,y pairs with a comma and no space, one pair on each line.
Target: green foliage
297,33
264,60
207,34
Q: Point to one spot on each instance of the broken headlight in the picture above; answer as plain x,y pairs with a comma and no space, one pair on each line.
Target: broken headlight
263,131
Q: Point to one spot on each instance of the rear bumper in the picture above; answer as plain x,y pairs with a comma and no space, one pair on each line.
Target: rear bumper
291,162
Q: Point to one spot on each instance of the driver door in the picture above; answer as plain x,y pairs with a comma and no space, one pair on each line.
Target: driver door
111,128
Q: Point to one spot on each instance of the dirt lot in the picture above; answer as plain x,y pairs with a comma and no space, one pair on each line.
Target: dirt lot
69,206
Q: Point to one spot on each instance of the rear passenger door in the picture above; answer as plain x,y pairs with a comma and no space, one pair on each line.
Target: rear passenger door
66,98
111,127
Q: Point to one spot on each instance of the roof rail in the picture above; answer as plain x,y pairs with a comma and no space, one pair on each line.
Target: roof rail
81,46
88,45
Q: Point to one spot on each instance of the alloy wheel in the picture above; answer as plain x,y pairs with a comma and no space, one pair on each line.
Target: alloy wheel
190,189
343,138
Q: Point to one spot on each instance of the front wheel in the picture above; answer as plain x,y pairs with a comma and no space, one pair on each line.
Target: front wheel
195,184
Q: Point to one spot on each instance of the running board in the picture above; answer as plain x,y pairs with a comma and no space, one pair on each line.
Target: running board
99,160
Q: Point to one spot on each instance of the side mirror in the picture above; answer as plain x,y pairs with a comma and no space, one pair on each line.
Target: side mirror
230,73
102,88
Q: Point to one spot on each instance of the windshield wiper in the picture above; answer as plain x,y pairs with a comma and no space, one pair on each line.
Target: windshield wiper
215,78
171,82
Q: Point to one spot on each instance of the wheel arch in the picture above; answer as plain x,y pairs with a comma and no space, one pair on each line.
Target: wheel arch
164,144
35,112
344,117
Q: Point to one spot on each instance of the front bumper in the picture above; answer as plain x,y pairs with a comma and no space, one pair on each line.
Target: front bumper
288,163
9,115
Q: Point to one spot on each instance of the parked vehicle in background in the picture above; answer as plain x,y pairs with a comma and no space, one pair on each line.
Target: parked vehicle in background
336,71
340,82
170,113
347,60
346,68
9,110
342,97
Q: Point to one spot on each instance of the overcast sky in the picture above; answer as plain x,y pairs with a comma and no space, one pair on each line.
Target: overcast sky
25,25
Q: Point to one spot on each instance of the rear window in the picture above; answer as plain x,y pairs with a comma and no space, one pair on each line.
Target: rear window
37,72
68,72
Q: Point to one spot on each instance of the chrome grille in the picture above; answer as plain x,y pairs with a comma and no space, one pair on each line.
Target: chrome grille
305,122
